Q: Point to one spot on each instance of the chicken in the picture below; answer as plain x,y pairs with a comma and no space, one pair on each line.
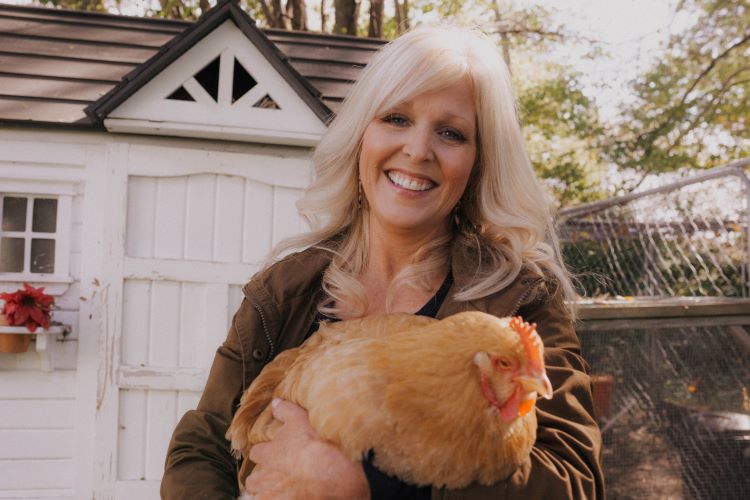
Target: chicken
440,402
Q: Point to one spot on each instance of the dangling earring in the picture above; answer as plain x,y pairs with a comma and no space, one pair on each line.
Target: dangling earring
457,215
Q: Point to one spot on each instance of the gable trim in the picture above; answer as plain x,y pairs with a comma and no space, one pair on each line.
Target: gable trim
172,50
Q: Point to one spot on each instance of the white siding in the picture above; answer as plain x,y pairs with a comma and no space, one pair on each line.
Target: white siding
37,408
36,432
197,219
141,217
258,224
199,232
195,234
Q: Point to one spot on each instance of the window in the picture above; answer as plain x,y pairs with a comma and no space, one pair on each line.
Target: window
30,236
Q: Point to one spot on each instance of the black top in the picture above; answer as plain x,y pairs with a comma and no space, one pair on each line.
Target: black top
383,486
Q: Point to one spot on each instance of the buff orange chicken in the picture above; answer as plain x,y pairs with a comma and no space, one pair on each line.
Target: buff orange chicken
439,402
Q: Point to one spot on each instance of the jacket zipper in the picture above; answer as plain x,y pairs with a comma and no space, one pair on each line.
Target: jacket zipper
525,295
265,331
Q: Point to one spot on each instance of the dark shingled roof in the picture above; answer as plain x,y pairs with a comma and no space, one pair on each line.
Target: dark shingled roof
55,63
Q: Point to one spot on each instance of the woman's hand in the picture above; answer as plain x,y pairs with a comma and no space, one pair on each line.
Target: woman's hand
298,464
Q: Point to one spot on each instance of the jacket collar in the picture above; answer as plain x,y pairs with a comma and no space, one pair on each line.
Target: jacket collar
465,268
303,273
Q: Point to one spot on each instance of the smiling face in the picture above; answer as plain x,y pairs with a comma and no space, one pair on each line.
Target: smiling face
416,159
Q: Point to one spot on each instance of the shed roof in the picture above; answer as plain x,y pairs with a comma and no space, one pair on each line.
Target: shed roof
55,63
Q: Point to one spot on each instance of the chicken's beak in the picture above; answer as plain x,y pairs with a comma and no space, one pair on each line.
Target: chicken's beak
539,384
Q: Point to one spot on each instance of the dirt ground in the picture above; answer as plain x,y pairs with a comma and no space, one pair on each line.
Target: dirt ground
640,464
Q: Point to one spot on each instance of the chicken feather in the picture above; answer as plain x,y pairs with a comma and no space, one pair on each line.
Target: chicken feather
414,390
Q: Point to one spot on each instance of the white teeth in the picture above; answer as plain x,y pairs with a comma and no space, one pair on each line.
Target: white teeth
408,182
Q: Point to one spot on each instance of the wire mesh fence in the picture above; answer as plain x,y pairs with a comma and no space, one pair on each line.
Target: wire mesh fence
687,238
671,394
676,420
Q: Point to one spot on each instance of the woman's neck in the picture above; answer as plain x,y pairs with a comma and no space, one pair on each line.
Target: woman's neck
391,250
389,253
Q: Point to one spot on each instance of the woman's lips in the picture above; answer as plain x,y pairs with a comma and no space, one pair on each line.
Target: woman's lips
409,182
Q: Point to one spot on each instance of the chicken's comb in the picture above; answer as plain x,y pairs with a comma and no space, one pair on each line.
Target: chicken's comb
530,340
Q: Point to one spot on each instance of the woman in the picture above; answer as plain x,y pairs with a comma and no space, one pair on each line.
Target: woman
424,201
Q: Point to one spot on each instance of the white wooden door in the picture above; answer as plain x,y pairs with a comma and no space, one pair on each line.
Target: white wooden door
198,224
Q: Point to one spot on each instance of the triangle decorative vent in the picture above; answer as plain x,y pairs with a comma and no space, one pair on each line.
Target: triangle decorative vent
210,77
181,95
242,83
222,87
266,102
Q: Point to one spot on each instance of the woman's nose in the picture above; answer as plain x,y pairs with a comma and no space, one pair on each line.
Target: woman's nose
418,145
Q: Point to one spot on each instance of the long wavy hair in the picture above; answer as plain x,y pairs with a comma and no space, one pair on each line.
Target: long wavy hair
507,218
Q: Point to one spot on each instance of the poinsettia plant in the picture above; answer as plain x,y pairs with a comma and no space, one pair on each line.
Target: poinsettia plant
28,306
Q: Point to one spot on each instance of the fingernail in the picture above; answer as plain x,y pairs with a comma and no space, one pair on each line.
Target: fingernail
275,402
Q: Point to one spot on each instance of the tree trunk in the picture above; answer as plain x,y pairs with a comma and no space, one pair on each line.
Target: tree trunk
376,19
171,8
397,15
299,14
323,16
504,41
288,11
401,15
204,5
347,13
277,15
267,12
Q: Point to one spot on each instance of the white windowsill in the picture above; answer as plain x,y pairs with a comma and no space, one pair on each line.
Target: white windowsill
35,278
53,285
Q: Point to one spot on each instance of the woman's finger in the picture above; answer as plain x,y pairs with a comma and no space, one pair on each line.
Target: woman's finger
253,481
286,411
258,454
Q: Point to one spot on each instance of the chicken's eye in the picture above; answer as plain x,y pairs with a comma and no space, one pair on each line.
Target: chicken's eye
503,363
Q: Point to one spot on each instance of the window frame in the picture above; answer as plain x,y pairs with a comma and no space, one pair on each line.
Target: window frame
63,192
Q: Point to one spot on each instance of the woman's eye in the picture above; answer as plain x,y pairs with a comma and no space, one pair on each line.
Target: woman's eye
453,135
395,120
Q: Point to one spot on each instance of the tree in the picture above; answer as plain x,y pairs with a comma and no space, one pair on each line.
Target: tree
347,15
88,5
376,19
323,16
561,126
299,14
401,15
691,108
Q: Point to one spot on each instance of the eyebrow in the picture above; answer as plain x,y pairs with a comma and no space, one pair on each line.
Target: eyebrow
446,116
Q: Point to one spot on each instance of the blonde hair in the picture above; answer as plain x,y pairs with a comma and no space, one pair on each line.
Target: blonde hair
510,221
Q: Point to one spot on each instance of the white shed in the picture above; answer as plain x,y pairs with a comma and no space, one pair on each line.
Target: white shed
146,167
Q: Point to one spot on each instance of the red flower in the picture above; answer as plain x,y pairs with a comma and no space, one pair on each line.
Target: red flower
29,307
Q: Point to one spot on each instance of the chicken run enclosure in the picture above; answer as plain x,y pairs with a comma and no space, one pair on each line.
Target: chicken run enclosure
665,326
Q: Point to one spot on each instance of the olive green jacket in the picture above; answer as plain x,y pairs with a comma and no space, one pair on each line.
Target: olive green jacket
278,309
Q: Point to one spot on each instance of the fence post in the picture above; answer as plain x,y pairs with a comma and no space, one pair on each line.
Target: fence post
746,183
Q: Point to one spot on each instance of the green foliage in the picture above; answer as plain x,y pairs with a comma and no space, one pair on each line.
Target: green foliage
561,125
692,106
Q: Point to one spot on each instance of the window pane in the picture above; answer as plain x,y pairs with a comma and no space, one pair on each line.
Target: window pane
14,214
44,216
42,256
11,255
